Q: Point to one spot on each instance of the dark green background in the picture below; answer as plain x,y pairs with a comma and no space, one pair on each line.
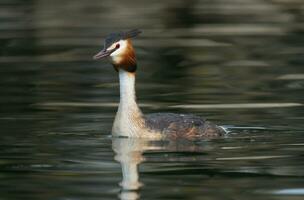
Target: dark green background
57,104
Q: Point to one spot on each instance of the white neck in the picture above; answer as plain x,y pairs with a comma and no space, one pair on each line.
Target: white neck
128,120
127,88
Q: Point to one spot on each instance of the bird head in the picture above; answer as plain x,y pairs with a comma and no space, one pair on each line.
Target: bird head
119,48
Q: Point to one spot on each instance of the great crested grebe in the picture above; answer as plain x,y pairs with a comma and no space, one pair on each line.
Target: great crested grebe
129,120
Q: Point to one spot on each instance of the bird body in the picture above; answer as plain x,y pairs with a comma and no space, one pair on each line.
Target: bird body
129,120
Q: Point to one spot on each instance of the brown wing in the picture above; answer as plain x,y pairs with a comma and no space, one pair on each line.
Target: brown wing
182,126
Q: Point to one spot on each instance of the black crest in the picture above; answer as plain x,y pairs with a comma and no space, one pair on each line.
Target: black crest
115,37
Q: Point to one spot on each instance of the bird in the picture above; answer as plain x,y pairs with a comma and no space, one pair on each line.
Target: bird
129,120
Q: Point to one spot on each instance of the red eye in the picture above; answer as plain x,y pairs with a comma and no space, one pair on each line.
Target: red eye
117,46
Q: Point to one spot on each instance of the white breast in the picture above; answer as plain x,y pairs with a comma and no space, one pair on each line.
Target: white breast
129,121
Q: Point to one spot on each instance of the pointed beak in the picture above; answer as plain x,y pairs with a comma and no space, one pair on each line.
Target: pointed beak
102,54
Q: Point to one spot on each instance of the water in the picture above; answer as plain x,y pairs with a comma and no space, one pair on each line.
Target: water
238,63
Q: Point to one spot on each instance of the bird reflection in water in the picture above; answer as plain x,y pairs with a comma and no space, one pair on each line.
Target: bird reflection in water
129,153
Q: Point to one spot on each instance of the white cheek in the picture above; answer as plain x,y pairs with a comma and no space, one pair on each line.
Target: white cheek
116,59
122,48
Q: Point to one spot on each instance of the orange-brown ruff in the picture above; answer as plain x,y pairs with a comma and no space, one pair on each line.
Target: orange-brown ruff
129,120
128,63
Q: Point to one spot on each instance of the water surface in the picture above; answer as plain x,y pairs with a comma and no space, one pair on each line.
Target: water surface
238,63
